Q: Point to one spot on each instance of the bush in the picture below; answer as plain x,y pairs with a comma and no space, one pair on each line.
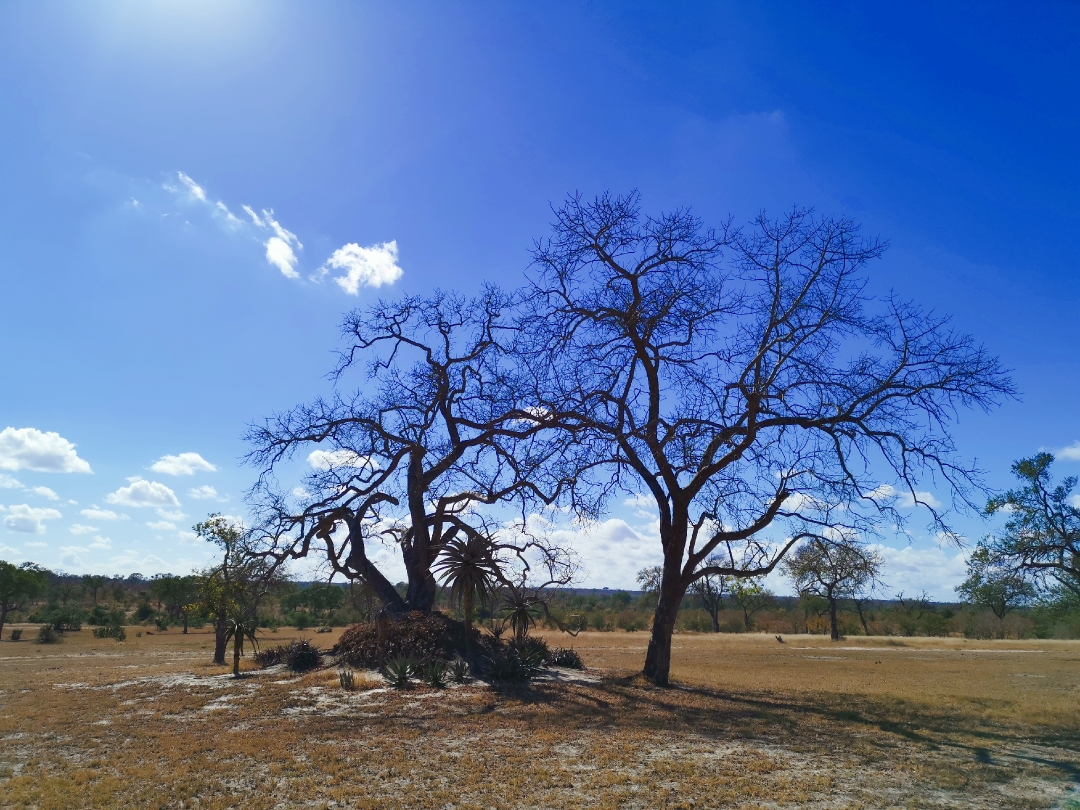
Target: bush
302,655
347,679
419,636
433,673
513,661
162,623
269,656
64,619
47,635
565,657
16,634
111,631
459,670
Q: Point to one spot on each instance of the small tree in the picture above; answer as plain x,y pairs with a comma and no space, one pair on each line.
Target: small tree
994,584
832,571
92,583
469,568
648,579
230,591
18,585
750,596
710,590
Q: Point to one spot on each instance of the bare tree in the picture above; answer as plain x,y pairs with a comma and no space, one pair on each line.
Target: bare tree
832,571
440,435
745,380
750,596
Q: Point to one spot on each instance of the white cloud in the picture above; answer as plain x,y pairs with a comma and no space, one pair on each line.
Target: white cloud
328,459
1070,453
94,513
280,254
7,482
28,519
903,498
205,493
35,545
143,493
78,528
188,538
183,464
101,542
301,493
30,449
46,493
162,526
364,266
193,188
223,210
254,217
69,556
912,571
175,515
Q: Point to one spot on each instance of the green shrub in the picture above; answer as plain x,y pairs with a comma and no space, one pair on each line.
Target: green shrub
347,679
111,631
459,670
269,656
47,634
64,619
397,671
16,634
433,673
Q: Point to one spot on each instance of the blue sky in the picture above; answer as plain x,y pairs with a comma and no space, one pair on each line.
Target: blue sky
141,321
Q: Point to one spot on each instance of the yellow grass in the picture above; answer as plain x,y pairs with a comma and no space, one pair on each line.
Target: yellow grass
749,723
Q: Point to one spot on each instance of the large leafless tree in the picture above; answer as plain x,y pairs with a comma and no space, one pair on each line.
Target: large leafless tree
434,433
744,379
833,571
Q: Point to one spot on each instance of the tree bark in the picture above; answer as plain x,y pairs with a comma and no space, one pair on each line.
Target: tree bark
3,618
834,629
714,614
658,657
237,641
220,640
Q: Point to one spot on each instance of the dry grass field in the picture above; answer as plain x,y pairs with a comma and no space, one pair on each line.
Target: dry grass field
751,723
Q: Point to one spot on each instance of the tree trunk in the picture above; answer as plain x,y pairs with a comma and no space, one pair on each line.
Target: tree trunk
3,618
834,630
862,618
220,640
658,657
467,605
714,614
238,639
184,616
422,589
746,619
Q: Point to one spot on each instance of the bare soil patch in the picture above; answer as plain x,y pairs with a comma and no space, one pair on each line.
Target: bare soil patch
750,723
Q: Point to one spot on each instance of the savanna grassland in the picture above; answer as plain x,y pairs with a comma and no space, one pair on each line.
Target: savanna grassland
750,722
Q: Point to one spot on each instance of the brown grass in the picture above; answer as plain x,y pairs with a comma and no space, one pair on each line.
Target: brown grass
750,723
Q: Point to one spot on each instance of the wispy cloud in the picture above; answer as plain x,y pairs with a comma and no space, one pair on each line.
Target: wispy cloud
372,266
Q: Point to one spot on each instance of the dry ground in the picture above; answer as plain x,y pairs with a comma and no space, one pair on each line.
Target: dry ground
751,723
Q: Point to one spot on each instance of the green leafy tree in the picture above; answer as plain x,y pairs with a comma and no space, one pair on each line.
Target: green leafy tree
231,590
1042,534
993,584
751,597
832,571
18,585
